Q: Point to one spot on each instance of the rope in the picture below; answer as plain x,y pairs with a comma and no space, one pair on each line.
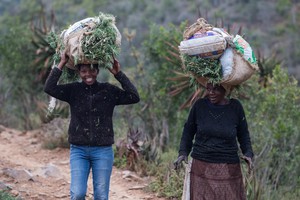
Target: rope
200,25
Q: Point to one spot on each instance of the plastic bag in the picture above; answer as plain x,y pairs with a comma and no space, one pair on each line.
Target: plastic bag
243,47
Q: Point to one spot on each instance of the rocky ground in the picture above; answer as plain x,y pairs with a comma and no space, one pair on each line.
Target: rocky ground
31,172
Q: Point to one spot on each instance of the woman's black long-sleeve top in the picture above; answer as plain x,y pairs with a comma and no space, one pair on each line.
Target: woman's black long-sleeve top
211,132
91,107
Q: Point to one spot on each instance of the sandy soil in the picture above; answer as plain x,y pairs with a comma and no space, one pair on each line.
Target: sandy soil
32,172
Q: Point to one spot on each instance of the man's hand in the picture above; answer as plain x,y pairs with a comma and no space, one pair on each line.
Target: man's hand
179,161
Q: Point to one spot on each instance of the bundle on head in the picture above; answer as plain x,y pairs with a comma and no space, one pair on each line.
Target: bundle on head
211,54
94,40
200,49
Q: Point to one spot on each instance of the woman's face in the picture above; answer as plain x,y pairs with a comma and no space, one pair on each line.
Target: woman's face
87,74
215,93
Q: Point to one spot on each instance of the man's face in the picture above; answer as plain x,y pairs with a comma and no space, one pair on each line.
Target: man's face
87,74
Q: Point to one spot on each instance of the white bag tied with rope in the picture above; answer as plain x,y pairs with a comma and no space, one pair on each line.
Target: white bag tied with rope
209,44
201,39
94,40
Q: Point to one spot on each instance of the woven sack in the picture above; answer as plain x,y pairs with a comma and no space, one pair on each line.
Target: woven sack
73,36
241,69
209,44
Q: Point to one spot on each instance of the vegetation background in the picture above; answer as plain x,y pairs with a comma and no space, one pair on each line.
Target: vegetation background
151,31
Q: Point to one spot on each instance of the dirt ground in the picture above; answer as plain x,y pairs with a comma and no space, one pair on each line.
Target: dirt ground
31,172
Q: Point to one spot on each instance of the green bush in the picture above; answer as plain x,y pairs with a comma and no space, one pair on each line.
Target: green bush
5,196
273,118
168,182
119,160
55,134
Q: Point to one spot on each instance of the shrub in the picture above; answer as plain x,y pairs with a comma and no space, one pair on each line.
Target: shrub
273,118
5,196
55,134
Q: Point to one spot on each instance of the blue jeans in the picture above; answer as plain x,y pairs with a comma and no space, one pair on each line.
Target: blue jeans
82,159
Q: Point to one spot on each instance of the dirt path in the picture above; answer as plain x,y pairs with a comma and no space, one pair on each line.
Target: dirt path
32,172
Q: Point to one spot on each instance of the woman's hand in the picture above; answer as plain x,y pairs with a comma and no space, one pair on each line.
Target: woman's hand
63,60
116,67
179,161
249,163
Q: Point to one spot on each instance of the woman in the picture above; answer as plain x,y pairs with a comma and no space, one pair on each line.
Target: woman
211,132
90,131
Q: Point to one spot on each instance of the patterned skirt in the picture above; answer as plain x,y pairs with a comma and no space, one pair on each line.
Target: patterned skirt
216,181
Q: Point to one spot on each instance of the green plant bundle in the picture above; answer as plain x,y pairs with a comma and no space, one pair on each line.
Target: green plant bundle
204,67
98,43
55,42
101,44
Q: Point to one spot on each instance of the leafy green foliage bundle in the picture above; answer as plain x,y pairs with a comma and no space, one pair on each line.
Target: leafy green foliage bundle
54,42
101,44
204,67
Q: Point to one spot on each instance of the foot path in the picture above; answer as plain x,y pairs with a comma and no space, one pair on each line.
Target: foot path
34,173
